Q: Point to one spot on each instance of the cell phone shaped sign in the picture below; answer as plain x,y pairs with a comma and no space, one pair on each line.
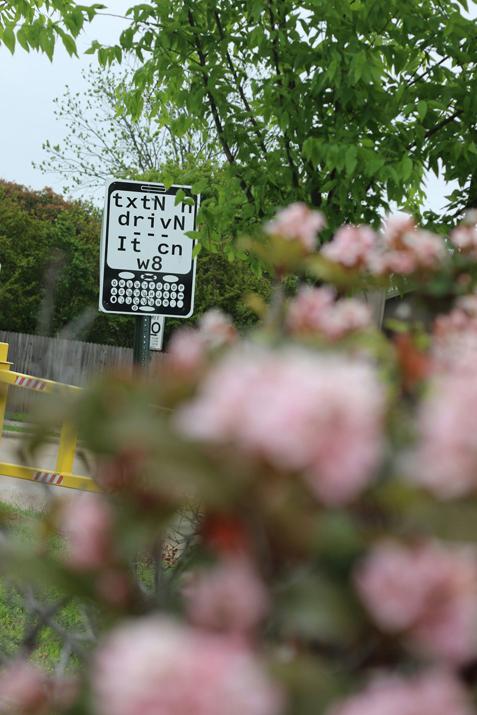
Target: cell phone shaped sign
147,262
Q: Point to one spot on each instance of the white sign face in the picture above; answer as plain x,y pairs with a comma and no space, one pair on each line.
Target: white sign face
147,264
156,338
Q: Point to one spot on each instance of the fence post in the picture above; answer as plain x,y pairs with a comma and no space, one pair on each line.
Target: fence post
4,365
66,449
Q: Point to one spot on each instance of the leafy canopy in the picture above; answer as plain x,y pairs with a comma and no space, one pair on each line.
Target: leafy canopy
36,24
343,104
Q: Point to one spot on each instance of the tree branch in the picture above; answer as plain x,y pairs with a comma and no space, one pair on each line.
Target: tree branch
239,86
213,105
279,75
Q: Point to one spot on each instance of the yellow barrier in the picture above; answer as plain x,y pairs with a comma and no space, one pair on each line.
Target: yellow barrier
62,475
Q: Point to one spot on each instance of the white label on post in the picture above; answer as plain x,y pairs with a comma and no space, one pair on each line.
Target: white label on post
157,332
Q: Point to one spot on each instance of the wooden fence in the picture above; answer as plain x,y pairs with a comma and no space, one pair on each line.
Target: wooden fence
70,361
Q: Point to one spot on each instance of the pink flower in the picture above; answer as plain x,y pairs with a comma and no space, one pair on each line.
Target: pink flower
315,310
455,337
157,667
464,237
351,246
86,521
398,226
23,690
300,411
432,693
407,249
427,593
186,352
188,347
217,328
445,459
230,596
297,223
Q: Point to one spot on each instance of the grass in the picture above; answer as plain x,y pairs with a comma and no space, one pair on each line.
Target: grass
15,619
17,416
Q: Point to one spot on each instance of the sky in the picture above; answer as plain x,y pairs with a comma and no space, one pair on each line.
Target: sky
29,82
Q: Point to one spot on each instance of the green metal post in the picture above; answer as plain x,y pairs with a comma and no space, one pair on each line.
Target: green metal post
142,329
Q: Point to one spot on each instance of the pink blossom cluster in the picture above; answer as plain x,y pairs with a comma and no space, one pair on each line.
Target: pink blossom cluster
188,347
25,689
445,458
407,249
297,223
229,596
427,593
155,666
316,310
464,237
86,521
402,249
352,247
300,411
432,693
454,345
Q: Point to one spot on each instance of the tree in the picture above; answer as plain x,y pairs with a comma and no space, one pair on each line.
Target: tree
36,25
50,259
103,141
345,105
50,270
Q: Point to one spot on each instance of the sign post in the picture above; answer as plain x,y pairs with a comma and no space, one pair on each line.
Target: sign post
141,340
147,257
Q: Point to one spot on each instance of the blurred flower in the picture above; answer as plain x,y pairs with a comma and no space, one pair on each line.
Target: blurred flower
414,363
433,693
464,237
298,410
112,585
224,534
23,690
407,249
454,345
229,596
297,223
86,521
188,347
397,227
315,310
427,593
351,246
186,351
445,458
157,666
217,328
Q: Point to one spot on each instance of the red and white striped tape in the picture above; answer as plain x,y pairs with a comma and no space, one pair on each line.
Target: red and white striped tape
31,382
48,478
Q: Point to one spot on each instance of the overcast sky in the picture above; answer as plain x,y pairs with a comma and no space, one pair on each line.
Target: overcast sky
28,84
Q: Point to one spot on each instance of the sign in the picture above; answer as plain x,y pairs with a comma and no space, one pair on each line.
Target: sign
156,338
147,264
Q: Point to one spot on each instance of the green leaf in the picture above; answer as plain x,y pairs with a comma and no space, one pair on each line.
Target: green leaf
8,38
69,44
180,196
422,109
351,160
405,168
